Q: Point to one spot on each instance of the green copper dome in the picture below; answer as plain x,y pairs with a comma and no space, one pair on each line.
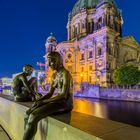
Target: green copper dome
89,4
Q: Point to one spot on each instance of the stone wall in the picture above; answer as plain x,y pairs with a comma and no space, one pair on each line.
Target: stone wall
114,93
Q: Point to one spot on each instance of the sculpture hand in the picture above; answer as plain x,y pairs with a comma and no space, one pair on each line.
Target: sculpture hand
37,104
38,96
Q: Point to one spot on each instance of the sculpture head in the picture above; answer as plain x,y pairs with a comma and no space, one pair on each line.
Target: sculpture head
55,60
28,69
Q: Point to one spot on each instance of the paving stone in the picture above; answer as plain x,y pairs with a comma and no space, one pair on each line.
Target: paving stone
3,136
90,124
127,133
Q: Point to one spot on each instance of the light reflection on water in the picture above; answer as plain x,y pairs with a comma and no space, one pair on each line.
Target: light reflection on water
126,112
91,108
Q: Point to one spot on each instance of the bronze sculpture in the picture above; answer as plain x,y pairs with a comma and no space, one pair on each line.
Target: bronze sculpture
49,104
23,89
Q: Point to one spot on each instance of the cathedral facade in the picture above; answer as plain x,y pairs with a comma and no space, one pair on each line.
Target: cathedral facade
95,46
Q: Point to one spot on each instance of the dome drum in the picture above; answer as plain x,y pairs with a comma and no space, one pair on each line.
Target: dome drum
89,4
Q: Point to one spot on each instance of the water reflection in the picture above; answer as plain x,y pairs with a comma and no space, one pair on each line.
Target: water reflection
126,112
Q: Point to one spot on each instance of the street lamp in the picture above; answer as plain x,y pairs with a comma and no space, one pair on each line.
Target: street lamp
81,77
98,80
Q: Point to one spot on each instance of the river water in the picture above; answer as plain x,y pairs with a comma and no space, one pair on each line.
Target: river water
121,111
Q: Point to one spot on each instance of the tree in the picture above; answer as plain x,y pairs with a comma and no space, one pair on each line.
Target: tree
126,75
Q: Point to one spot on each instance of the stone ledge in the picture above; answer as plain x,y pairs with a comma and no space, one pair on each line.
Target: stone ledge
70,126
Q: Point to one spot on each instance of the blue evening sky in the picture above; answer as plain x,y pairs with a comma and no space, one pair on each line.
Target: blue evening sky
25,25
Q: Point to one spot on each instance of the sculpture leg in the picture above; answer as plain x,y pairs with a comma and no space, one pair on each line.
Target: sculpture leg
22,95
38,114
26,117
33,86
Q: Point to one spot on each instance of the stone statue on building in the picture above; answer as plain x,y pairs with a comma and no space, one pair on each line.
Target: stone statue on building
24,89
49,104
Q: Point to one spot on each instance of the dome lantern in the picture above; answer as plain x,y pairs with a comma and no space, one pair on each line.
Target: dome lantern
51,43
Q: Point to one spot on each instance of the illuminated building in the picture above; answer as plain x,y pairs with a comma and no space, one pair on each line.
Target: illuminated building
6,81
95,46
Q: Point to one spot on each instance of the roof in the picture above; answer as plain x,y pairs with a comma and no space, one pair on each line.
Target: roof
89,4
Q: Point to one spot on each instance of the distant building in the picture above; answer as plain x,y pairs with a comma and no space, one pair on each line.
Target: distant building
0,82
95,46
6,81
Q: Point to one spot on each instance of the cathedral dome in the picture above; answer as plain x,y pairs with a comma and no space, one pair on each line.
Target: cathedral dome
89,4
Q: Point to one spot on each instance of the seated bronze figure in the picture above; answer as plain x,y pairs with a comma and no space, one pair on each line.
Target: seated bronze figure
49,104
23,89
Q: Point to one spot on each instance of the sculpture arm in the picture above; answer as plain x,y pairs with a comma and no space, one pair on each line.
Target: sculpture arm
50,93
46,97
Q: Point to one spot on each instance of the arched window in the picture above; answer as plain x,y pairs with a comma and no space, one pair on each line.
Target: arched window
75,31
100,23
111,21
99,51
82,56
70,68
90,79
90,54
83,25
79,30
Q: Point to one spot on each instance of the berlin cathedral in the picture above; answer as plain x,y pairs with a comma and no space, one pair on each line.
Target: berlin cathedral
95,46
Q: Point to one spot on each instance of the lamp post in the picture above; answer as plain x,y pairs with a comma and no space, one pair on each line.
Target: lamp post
81,75
40,65
98,80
